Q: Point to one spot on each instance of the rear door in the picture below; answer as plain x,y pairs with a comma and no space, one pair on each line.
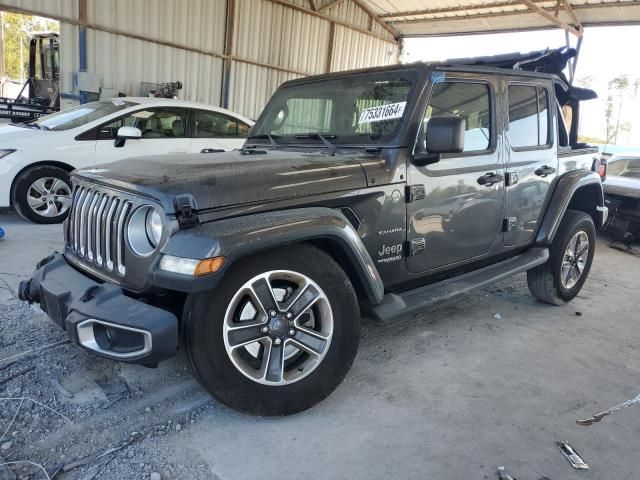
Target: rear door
216,131
458,205
532,160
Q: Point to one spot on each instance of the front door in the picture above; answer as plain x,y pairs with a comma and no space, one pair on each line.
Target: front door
163,132
458,203
532,160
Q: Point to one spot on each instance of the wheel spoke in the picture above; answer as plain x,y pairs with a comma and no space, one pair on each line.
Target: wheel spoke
582,251
40,186
35,202
568,276
238,336
264,295
58,185
301,303
310,341
64,201
273,362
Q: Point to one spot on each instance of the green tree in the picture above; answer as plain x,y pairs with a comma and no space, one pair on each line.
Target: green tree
15,34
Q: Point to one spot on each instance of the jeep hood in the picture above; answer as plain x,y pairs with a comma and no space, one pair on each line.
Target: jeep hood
231,178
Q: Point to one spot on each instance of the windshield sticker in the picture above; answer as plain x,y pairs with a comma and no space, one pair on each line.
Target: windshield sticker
437,77
117,102
384,112
142,114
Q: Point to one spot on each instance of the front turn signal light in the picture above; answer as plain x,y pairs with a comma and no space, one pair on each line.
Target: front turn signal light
209,265
191,266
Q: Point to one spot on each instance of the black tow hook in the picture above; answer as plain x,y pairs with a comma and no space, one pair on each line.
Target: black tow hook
24,292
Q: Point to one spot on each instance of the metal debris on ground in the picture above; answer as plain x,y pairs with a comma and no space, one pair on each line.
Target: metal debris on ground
497,316
28,462
599,416
44,347
503,475
571,455
92,458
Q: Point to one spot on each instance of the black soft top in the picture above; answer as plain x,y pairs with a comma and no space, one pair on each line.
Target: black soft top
549,61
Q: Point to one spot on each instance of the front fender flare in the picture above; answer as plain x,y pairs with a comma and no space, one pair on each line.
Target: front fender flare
237,237
566,188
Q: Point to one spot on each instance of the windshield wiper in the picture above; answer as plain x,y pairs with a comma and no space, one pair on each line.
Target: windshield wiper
327,143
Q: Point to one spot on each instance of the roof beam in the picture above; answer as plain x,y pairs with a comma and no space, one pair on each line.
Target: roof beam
456,9
337,21
374,16
575,30
329,5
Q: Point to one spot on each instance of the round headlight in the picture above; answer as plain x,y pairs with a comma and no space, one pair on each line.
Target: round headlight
154,227
145,230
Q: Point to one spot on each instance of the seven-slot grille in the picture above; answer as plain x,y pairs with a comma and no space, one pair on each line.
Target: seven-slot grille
97,227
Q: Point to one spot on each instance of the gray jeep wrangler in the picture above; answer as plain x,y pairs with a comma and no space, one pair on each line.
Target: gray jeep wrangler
383,190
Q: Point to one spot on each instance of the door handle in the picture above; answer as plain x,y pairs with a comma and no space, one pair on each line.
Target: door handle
544,171
212,150
489,179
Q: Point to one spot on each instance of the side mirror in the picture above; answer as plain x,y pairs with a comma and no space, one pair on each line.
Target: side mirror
442,135
125,133
445,135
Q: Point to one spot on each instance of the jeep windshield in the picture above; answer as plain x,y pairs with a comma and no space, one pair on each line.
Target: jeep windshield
358,109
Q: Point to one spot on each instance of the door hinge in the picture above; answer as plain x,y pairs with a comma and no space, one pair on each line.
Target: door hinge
509,224
185,212
415,247
415,192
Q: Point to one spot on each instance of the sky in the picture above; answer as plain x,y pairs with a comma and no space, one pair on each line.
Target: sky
606,52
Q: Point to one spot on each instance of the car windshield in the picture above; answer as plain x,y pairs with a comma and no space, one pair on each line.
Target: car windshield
356,109
81,115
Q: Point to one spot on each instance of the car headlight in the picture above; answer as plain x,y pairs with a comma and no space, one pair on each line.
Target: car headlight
145,230
6,151
154,227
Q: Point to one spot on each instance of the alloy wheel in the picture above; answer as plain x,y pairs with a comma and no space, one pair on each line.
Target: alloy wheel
278,327
49,197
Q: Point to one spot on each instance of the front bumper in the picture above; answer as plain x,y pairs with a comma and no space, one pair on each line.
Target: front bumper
99,316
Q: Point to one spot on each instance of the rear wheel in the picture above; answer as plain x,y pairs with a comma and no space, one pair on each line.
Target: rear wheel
42,194
571,254
278,334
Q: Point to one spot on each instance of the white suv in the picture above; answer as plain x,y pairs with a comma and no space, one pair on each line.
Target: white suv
36,157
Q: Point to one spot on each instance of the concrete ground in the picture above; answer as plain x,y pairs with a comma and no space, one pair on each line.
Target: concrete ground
490,379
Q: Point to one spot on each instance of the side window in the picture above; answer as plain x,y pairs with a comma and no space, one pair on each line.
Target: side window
528,116
471,101
215,125
153,123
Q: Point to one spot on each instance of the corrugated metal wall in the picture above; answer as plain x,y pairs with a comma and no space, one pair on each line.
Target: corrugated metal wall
129,42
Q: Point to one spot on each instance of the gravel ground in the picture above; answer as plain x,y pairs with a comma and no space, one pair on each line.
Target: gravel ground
492,378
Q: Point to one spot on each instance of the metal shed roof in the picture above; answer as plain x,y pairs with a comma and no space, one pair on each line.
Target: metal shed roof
445,17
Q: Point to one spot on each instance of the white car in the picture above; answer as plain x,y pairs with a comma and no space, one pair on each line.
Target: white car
36,157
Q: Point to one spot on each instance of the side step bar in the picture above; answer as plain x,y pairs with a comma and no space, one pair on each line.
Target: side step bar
395,306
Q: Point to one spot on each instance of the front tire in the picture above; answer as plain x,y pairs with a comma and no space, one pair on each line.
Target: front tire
42,194
561,278
278,334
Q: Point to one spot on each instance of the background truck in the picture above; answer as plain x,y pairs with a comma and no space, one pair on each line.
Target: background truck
40,94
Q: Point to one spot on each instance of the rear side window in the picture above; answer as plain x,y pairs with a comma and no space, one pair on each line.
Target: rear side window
528,116
470,101
215,125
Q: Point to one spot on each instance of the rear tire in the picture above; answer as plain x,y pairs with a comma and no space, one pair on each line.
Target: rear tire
561,278
242,375
42,194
